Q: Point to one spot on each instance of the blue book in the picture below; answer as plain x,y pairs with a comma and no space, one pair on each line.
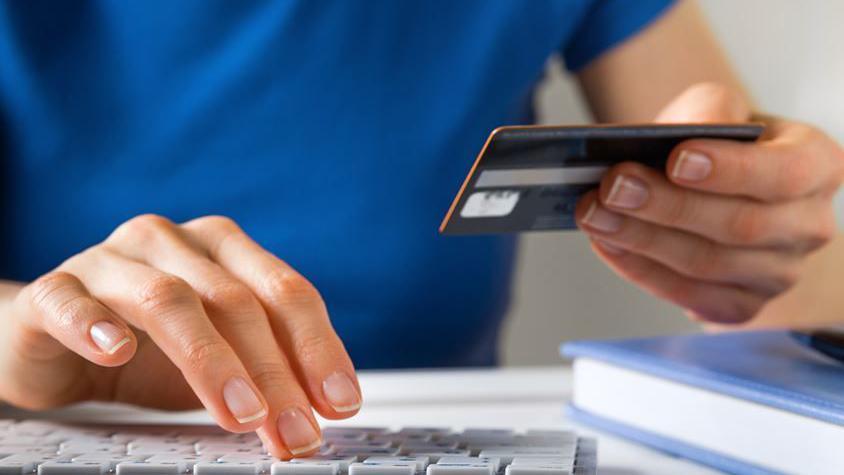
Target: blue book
743,402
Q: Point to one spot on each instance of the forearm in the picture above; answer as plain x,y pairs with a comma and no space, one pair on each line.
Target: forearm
635,80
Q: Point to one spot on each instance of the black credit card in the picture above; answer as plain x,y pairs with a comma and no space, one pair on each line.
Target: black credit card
529,178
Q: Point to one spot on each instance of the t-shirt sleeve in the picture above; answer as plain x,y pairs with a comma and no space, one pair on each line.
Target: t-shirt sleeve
607,23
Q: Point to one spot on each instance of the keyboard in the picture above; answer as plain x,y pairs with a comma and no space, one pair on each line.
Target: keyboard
53,448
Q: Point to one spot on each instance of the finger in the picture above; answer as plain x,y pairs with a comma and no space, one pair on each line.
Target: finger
167,308
797,161
297,313
641,192
710,302
764,272
60,305
239,317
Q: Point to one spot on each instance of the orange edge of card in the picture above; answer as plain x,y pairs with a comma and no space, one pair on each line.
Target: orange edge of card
471,174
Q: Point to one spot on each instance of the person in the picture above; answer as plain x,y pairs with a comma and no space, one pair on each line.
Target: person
190,189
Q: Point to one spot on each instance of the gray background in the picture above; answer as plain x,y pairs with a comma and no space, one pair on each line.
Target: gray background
789,53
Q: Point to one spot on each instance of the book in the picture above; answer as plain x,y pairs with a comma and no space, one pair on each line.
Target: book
742,402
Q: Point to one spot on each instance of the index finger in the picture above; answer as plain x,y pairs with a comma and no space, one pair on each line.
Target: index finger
795,161
297,314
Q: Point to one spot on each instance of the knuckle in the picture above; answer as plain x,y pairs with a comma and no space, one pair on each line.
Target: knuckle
143,228
220,228
311,346
291,288
71,311
202,354
745,225
163,292
45,290
230,294
217,223
270,375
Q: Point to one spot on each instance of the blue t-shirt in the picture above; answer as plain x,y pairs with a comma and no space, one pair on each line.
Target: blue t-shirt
335,132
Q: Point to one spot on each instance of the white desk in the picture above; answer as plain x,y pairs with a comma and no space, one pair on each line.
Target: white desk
521,398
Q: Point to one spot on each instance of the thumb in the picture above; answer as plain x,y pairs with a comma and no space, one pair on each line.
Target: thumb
706,102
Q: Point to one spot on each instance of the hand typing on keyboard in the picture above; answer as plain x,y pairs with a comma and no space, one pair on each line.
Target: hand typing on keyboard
174,316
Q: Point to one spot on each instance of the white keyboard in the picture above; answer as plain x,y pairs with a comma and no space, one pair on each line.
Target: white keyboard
43,447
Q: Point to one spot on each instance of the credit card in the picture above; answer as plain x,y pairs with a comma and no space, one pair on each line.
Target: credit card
529,178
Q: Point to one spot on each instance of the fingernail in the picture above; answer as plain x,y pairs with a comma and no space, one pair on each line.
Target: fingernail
599,218
692,166
609,248
242,401
628,192
296,431
109,337
341,392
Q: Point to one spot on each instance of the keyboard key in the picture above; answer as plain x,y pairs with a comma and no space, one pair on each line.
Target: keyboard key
361,445
460,469
228,468
551,434
342,461
420,462
539,460
23,463
493,462
436,456
187,459
537,470
331,431
313,467
145,468
73,468
397,438
472,432
432,446
381,469
507,455
345,452
433,431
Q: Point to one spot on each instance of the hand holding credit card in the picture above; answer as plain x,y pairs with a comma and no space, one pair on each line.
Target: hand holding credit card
529,178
